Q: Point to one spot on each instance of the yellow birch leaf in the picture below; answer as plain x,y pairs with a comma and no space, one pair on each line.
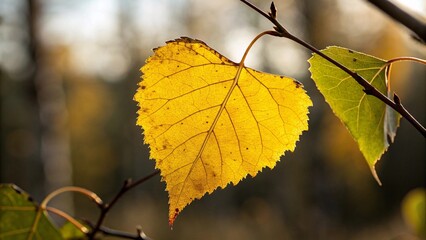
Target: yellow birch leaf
210,122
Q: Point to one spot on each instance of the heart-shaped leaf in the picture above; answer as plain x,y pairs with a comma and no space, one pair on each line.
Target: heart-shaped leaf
371,122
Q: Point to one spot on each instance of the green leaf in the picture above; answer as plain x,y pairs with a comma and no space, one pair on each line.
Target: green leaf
371,123
21,218
71,232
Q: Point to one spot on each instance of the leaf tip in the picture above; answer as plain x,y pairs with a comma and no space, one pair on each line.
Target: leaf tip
373,171
173,217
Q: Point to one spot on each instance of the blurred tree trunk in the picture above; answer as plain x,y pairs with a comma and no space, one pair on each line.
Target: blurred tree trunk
20,125
50,97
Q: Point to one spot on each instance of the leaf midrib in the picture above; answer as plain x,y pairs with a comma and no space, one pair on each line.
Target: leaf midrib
212,127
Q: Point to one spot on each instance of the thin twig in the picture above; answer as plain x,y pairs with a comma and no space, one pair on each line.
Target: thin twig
368,88
116,233
140,235
105,208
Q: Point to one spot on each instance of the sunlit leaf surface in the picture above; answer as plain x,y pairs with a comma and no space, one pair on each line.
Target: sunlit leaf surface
210,123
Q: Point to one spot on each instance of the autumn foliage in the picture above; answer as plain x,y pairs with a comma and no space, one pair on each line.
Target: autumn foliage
210,122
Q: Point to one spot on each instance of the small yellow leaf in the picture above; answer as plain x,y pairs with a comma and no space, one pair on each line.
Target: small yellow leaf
210,122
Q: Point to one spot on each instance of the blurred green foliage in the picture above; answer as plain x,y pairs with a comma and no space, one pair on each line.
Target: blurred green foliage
413,210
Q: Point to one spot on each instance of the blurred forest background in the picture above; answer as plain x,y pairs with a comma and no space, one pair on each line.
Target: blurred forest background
69,70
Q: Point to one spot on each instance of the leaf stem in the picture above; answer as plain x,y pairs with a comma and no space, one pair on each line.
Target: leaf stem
70,219
368,88
84,191
412,59
273,33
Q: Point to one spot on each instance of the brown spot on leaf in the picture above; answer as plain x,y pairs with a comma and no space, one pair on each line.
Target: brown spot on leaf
298,84
199,187
172,219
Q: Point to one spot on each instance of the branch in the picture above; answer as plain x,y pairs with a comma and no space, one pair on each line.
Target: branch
140,235
115,233
105,208
399,15
368,88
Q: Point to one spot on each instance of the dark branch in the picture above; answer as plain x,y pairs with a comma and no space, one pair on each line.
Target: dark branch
116,233
140,235
368,88
105,208
399,15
